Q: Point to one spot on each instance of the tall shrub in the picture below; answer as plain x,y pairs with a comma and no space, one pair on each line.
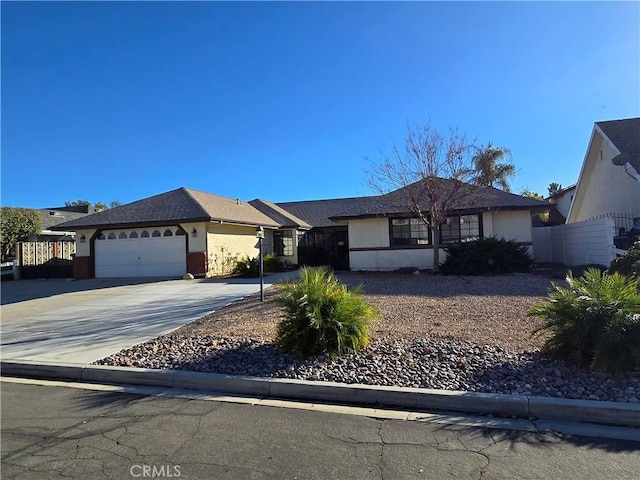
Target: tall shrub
486,256
595,322
322,315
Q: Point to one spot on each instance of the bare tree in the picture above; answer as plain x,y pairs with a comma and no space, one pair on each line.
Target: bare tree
432,177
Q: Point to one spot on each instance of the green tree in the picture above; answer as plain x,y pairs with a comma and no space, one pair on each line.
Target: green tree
77,203
531,194
543,216
17,224
490,172
554,188
98,206
436,174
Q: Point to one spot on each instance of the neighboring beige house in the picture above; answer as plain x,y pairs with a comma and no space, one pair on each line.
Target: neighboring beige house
563,199
609,181
187,231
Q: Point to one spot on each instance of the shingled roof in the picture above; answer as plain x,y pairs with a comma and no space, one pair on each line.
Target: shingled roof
280,215
625,135
318,213
180,205
55,216
476,199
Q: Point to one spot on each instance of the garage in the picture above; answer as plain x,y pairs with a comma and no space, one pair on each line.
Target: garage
141,253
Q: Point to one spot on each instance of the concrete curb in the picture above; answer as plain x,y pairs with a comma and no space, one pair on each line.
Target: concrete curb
540,408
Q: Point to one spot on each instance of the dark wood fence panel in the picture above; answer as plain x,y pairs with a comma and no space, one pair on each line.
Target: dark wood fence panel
46,259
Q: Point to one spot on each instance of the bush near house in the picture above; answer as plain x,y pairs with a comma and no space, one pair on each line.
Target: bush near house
595,322
222,262
321,315
628,264
272,263
250,267
486,256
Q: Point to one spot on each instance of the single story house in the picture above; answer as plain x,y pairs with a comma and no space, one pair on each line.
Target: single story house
185,230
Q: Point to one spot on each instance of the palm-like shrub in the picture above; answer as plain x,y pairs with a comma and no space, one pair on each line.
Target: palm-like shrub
322,315
247,267
595,322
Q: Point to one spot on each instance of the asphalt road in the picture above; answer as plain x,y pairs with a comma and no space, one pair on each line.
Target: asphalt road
59,432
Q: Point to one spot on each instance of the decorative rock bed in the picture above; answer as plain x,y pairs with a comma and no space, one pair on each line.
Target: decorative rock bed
434,364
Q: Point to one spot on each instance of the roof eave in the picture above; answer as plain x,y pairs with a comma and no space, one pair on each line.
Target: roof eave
105,226
532,208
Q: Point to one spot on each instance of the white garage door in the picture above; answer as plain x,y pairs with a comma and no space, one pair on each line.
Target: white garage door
147,253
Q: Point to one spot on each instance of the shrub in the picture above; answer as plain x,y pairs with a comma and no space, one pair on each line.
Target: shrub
595,322
486,256
250,267
272,263
247,267
322,315
628,264
222,262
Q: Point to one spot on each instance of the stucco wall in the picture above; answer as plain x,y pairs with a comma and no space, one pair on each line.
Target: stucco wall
387,260
199,242
369,241
83,247
238,239
510,225
563,202
604,187
369,233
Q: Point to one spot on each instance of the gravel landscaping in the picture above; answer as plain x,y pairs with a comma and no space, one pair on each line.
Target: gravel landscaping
455,333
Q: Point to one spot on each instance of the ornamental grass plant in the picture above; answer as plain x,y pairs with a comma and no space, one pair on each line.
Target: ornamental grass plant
595,322
321,315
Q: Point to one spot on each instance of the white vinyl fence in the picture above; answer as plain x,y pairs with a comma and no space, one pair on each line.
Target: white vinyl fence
580,243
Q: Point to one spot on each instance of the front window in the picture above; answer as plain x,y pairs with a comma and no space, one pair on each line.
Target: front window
460,228
283,243
409,231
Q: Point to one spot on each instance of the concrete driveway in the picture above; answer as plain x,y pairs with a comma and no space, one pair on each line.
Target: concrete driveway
83,321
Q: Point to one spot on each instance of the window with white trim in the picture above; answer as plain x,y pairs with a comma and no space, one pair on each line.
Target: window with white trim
460,228
409,231
283,243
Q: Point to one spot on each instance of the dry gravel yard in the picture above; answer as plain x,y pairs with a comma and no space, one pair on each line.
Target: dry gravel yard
479,310
453,333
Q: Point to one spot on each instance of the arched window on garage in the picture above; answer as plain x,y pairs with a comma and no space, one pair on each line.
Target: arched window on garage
122,235
112,236
133,234
144,234
168,233
156,233
179,232
102,237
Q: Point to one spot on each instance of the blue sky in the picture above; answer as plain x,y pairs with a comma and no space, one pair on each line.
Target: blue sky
283,101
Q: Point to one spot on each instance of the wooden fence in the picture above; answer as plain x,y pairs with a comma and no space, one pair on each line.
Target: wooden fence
46,259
